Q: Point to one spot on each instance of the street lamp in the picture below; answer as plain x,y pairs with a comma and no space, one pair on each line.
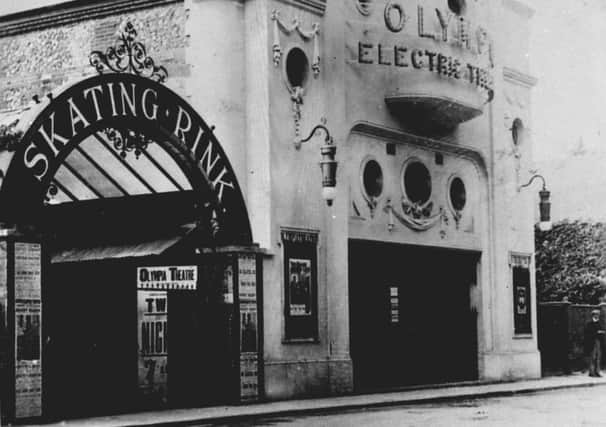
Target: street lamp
328,164
544,203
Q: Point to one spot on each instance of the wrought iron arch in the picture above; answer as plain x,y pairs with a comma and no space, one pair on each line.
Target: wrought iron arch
73,116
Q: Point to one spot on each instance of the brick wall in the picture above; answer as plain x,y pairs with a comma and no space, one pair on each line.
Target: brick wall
38,62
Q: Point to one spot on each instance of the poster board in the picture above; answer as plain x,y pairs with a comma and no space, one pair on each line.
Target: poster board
179,277
521,298
249,356
152,333
301,284
28,328
4,329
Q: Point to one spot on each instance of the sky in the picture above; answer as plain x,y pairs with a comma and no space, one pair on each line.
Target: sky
569,59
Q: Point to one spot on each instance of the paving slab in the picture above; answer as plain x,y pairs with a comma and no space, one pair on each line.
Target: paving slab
339,403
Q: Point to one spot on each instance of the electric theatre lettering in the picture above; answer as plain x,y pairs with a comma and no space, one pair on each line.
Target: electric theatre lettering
453,30
104,100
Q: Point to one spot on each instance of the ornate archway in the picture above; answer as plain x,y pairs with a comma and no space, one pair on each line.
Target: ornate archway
109,174
89,134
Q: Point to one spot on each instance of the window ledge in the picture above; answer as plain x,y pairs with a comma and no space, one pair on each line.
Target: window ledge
522,336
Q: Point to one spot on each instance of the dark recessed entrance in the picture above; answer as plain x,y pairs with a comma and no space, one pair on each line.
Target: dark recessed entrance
112,347
411,321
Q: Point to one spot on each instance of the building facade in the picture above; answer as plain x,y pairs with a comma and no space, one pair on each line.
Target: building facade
157,175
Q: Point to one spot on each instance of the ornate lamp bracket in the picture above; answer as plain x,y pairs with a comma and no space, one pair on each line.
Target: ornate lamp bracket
544,203
328,164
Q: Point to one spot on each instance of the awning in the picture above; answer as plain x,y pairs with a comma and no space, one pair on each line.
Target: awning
125,250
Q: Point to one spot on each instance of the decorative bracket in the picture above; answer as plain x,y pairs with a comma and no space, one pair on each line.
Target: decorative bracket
305,35
296,96
417,219
127,141
127,56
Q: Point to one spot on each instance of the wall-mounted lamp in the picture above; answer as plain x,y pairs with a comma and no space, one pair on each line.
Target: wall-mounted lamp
544,204
328,164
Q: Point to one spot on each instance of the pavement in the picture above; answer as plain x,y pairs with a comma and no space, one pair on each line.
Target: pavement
429,394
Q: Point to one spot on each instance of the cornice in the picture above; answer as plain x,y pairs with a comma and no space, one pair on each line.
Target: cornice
515,76
71,12
315,6
399,137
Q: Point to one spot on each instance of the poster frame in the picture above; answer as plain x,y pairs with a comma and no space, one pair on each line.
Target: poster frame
300,244
8,408
520,279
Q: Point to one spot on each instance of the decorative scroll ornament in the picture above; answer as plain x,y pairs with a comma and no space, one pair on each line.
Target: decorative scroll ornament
372,204
305,35
130,141
413,215
127,56
296,96
51,192
364,7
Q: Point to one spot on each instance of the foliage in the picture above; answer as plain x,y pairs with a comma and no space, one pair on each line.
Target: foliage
570,262
9,136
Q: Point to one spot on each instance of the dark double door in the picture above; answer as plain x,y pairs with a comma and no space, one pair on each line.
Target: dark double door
410,313
90,350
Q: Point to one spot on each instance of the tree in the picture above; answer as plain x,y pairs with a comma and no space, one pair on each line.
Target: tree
570,262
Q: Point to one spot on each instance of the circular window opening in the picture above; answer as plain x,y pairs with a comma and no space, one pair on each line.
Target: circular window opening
458,195
457,6
297,67
516,131
417,183
372,178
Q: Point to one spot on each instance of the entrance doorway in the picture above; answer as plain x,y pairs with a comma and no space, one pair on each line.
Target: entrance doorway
411,319
112,348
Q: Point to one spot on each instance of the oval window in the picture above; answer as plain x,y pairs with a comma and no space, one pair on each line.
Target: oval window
458,194
372,178
297,67
457,6
417,183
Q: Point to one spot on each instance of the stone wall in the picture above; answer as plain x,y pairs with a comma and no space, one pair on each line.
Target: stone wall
38,62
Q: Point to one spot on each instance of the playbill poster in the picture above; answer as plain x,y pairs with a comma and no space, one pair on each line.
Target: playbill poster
4,332
299,282
152,319
28,311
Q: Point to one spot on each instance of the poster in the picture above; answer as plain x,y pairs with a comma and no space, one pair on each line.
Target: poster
152,326
299,285
521,300
4,332
249,376
394,303
228,285
248,327
28,366
28,344
181,277
247,278
27,270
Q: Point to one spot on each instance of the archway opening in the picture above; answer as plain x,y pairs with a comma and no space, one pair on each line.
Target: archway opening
131,196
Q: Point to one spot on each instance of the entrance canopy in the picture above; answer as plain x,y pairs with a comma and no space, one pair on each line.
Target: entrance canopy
122,136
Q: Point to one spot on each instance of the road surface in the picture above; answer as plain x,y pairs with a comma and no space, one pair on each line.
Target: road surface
569,407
